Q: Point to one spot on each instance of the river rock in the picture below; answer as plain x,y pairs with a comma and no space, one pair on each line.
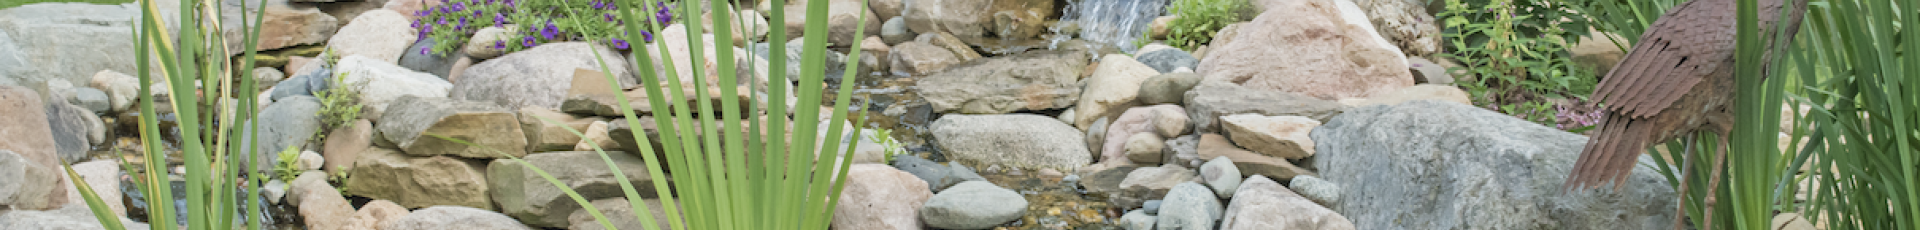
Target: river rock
28,185
1189,206
421,57
343,145
122,90
1212,146
842,17
382,35
543,136
92,99
1024,141
1279,136
1157,180
1210,100
68,41
1112,88
1315,189
1264,204
381,83
1139,121
880,197
1096,136
323,208
416,182
103,176
454,218
70,127
620,213
478,123
1138,220
288,123
1167,88
482,44
1028,81
917,59
1166,60
1318,54
1513,169
539,76
894,31
1427,72
1145,149
535,201
1222,176
959,17
375,214
973,205
69,217
288,25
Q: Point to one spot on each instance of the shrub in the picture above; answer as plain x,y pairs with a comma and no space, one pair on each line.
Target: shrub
1196,21
539,22
339,105
1518,56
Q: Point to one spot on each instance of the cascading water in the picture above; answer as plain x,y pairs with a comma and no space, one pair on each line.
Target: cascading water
1110,22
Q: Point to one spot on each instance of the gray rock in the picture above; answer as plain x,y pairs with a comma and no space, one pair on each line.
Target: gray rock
1210,100
1443,165
264,78
1427,72
1027,81
1138,220
1151,207
973,205
1166,60
312,77
1189,206
430,61
307,183
1096,136
477,123
40,43
963,173
274,190
894,31
963,18
526,196
72,217
1183,148
283,124
379,34
24,184
539,76
92,99
70,130
1222,176
1315,189
919,59
1168,88
620,212
417,182
379,83
1264,204
835,61
455,218
99,175
1023,140
935,175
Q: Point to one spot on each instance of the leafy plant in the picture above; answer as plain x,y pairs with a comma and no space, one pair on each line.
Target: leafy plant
339,180
1196,21
339,105
288,165
1518,59
885,138
452,23
1856,66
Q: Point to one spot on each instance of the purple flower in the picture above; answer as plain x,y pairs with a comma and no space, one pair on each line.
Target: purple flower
648,35
442,9
463,24
509,3
459,6
443,21
423,50
416,23
549,31
500,44
477,12
609,17
663,17
421,13
499,19
527,41
598,5
619,44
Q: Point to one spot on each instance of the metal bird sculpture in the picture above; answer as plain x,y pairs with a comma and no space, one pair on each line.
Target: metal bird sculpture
1677,81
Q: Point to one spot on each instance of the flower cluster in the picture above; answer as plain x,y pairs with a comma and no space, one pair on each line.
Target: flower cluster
452,22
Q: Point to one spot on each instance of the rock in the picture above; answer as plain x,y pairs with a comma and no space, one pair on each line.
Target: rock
962,18
835,61
375,214
1598,53
842,16
1279,136
273,191
539,76
894,31
543,136
951,43
741,36
919,59
1513,168
1264,204
122,90
1221,175
1189,206
478,123
973,205
325,208
1137,220
880,197
310,78
874,53
421,57
675,38
596,138
1157,180
1323,56
1210,100
28,185
103,176
70,217
1137,121
1427,72
1353,15
417,182
1167,88
935,176
1158,29
408,8
70,130
47,42
1021,19
92,99
310,183
1407,24
489,42
535,201
1315,189
284,124
381,83
620,213
1791,221
1166,60
454,218
1096,137
1024,141
378,34
265,77
1214,145
310,160
1417,92
343,145
886,9
1145,149
1184,150
1114,86
289,25
1028,81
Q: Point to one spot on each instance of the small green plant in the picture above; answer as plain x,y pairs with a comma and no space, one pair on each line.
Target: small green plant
1196,21
885,138
1519,60
339,180
287,166
339,105
537,22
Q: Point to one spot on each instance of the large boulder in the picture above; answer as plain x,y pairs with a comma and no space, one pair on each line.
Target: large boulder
533,200
417,182
1261,203
880,197
70,127
67,218
1028,81
379,34
539,76
288,123
960,17
1305,47
66,41
841,19
380,83
973,205
1213,99
1022,140
421,57
454,218
1443,165
414,120
1112,88
26,184
916,59
289,25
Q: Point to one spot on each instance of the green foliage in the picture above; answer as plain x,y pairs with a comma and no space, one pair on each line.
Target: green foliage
885,138
451,24
287,166
1196,21
339,181
1517,54
1627,18
1855,64
339,105
13,3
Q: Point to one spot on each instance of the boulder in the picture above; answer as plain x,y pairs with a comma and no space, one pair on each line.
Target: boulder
381,83
1222,176
919,59
423,58
103,176
1189,206
936,176
874,53
595,137
543,136
265,77
67,218
1279,136
952,44
1212,146
1166,60
1264,204
1023,141
1145,149
1137,220
310,78
530,198
538,76
288,123
880,197
835,62
1441,165
1028,81
324,208
1156,181
1167,88
382,35
414,119
1112,88
620,213
842,17
70,128
1407,24
1021,19
675,38
1140,121
1417,92
960,17
375,214
1427,72
894,31
1210,100
288,25
417,182
310,183
454,218
489,42
28,185
1313,188
1319,54
343,145
92,99
973,205
40,43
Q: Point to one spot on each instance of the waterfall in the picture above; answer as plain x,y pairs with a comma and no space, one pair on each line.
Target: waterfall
1111,22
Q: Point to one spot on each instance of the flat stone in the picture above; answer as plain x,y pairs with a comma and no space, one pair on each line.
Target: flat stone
880,197
417,182
528,197
1264,204
973,205
1027,81
496,129
1279,136
454,218
1025,141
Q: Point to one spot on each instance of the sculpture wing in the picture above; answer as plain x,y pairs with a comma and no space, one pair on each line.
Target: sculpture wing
1677,51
